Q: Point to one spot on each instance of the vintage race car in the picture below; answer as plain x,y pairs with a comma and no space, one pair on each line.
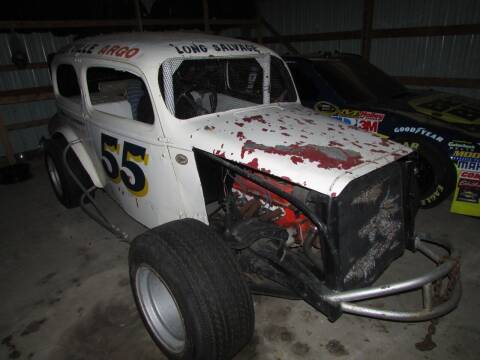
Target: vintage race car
444,129
203,140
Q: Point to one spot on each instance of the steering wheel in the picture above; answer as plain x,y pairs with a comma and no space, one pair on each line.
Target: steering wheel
195,108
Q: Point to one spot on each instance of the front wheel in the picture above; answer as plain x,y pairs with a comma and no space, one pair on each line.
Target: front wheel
434,171
190,292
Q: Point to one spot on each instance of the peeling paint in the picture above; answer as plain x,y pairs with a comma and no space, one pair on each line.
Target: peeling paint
323,156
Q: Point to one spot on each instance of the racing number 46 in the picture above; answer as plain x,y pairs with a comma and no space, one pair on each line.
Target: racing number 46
128,172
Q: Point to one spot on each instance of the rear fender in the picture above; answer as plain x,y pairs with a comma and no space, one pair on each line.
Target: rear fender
59,126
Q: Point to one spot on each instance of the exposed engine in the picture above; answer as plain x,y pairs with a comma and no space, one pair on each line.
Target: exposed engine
254,199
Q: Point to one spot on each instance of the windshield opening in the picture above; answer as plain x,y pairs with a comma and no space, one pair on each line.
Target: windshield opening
357,80
194,87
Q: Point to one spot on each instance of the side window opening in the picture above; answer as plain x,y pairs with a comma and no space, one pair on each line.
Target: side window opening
67,83
119,93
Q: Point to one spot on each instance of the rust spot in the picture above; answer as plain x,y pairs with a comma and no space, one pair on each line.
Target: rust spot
258,118
219,153
296,159
253,163
334,143
240,135
310,121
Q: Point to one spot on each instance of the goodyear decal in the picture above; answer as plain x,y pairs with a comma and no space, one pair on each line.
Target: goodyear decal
418,131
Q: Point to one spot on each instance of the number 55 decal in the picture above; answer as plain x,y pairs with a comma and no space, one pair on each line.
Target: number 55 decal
130,173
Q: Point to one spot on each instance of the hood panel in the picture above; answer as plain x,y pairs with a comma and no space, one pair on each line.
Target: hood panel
294,143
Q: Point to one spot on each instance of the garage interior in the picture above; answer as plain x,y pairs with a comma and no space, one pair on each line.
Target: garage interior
64,279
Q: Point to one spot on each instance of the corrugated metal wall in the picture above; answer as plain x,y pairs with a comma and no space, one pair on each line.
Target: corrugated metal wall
440,56
38,46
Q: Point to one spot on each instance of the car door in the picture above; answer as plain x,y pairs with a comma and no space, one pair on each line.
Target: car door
127,137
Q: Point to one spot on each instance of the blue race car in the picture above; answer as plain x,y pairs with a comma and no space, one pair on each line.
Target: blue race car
443,128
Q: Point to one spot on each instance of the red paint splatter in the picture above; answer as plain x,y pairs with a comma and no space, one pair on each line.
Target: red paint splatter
253,163
239,124
240,135
296,159
209,128
258,118
313,153
333,194
219,153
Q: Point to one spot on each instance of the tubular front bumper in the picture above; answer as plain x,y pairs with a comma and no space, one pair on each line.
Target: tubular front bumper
441,289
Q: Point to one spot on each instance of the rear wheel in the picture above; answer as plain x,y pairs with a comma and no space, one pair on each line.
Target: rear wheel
65,188
435,171
190,292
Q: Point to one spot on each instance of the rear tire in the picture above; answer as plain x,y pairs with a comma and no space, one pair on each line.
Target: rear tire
190,292
435,171
65,188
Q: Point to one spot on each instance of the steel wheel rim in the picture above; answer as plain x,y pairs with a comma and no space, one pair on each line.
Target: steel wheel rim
160,309
53,172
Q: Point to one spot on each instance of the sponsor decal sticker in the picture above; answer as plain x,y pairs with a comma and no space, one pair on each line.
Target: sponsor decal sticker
419,131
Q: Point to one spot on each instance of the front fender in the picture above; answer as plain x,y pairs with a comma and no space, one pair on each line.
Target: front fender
59,125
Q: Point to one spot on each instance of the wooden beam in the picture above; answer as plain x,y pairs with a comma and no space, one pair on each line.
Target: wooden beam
206,22
380,33
27,124
335,35
138,15
279,37
440,82
368,8
26,95
73,24
466,29
13,67
5,141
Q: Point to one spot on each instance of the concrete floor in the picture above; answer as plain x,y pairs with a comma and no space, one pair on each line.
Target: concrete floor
65,293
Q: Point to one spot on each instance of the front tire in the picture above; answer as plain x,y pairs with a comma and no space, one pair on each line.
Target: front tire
190,292
435,171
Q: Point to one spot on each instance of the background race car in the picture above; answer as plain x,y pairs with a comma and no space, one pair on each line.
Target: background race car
443,128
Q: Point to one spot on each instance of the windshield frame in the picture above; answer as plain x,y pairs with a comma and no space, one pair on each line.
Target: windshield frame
264,60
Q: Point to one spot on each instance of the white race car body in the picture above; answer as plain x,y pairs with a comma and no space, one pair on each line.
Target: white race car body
283,139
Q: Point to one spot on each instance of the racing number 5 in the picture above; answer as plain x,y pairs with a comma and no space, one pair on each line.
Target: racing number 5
110,146
131,155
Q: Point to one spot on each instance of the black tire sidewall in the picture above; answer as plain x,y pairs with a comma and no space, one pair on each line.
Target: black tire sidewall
442,166
206,283
179,289
54,150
